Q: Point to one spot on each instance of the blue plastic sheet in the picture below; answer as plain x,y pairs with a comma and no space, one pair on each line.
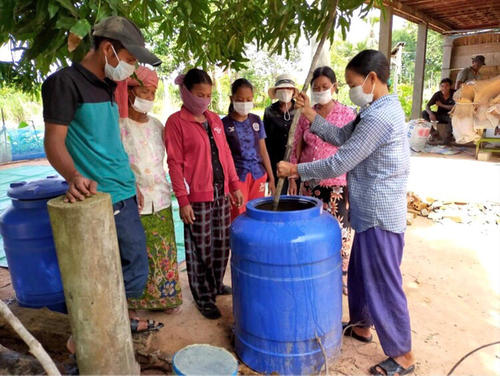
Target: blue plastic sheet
26,143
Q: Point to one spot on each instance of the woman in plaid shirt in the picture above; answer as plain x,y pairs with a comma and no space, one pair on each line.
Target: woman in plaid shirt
374,150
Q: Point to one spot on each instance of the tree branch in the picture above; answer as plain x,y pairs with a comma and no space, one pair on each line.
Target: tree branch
35,347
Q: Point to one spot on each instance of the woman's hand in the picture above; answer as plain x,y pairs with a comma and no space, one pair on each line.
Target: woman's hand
140,199
272,185
237,198
187,215
292,187
302,102
287,169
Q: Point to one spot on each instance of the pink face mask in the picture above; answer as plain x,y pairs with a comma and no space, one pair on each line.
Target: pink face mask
195,105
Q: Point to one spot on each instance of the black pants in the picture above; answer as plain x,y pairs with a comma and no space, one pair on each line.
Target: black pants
443,133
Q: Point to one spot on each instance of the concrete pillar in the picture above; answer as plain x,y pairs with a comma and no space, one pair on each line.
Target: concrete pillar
89,260
418,84
447,50
385,32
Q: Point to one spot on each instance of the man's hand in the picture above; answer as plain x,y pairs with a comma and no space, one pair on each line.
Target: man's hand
286,169
237,198
439,104
80,188
187,215
140,199
432,116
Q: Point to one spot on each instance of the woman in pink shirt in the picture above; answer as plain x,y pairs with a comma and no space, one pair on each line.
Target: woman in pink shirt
308,147
205,182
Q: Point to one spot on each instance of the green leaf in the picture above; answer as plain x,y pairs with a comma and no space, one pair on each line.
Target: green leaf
81,28
23,124
53,8
65,23
69,6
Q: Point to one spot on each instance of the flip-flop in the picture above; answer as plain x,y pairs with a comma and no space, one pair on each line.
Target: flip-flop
349,332
391,367
153,326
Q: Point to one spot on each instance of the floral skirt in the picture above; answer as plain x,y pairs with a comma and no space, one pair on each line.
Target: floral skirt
163,290
335,201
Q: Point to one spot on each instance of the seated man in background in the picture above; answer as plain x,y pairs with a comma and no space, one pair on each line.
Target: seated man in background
470,73
443,99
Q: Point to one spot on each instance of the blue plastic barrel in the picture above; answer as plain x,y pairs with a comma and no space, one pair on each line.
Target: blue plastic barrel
287,285
199,360
29,246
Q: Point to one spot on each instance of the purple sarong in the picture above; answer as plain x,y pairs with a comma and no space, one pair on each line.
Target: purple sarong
376,295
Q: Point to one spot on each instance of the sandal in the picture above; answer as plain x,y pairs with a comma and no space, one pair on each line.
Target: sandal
391,368
349,332
153,326
210,311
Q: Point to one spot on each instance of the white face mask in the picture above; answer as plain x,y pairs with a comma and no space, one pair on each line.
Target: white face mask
243,108
142,105
284,96
322,97
119,73
359,97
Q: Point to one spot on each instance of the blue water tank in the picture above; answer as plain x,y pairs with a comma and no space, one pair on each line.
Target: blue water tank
29,246
287,285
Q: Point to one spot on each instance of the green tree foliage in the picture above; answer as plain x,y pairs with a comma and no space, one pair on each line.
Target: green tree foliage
200,32
434,54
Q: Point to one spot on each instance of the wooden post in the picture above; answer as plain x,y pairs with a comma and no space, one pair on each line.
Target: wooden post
385,32
89,260
447,50
418,84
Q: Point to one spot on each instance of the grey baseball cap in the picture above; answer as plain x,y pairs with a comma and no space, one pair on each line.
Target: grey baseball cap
123,30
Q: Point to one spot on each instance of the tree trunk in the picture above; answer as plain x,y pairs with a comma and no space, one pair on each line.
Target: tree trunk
89,260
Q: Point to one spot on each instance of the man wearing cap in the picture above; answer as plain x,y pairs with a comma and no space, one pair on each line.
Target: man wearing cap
278,119
82,137
470,73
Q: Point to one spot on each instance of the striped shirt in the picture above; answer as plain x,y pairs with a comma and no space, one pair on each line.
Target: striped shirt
374,150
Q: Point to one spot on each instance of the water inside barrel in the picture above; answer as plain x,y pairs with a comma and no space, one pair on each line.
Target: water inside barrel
287,205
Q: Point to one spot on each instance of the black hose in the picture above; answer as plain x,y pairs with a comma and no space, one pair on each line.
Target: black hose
470,353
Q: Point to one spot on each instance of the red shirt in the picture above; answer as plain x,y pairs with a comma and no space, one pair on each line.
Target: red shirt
189,157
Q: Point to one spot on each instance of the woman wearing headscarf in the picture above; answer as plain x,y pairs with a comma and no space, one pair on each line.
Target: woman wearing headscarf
205,183
142,137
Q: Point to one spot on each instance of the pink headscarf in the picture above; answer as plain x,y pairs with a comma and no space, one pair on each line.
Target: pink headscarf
148,77
194,104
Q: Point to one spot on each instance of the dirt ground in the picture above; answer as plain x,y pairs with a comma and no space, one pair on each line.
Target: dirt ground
452,282
451,278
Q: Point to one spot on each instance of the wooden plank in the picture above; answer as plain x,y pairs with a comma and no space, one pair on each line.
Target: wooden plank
455,15
385,33
418,85
414,15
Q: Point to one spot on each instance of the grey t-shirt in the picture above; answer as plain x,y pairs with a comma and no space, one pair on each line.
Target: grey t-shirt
468,74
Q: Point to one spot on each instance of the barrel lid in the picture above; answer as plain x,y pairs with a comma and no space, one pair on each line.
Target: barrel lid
201,359
52,186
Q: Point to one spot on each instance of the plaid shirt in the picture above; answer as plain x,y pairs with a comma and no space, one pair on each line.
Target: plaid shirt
374,150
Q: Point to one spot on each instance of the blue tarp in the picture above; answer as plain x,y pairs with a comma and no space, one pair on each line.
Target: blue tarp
16,174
